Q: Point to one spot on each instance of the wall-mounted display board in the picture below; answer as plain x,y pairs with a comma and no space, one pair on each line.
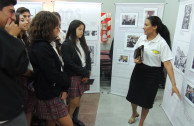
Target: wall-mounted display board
90,15
129,22
181,113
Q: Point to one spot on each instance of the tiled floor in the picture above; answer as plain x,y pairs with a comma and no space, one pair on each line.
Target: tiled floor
105,109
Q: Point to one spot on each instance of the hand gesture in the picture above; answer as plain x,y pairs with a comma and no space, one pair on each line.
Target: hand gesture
175,90
85,79
12,28
64,95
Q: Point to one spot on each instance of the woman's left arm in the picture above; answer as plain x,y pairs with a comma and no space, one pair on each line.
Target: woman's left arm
169,69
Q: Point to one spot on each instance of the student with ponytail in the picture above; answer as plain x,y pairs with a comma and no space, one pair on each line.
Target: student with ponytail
147,73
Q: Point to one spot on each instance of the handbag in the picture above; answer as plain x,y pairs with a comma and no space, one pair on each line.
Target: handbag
139,52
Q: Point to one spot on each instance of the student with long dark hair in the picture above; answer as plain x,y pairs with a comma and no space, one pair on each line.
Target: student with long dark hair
27,79
77,63
51,82
147,73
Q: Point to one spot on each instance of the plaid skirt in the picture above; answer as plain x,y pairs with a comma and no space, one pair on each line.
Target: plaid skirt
30,99
52,109
77,90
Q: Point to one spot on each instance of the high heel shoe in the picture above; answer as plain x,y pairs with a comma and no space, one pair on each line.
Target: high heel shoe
132,120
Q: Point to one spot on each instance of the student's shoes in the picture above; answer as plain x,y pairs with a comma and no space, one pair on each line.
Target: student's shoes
78,123
132,120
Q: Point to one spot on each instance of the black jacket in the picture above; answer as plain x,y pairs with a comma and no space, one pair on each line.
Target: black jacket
50,80
13,63
72,62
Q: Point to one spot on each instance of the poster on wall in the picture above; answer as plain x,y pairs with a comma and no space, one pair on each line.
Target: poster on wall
187,17
147,12
123,59
130,40
92,49
105,26
128,19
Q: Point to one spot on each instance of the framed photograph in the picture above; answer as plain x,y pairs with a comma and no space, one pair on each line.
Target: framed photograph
189,94
187,17
87,33
147,12
123,58
91,33
92,49
180,59
130,40
128,19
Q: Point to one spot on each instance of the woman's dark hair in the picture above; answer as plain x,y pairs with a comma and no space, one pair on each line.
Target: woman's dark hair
21,10
24,36
4,3
42,26
161,28
71,34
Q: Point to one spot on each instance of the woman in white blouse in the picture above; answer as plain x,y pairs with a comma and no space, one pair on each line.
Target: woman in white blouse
147,73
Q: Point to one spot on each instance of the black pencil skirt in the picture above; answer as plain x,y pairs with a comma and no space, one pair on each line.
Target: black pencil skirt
144,85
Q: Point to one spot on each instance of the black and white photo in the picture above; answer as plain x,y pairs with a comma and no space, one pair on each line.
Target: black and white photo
187,17
128,19
149,12
180,59
92,53
87,33
130,40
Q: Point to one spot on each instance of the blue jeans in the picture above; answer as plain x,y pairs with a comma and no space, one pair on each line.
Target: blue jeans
20,120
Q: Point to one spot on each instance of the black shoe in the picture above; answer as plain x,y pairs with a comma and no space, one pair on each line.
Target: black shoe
78,123
75,118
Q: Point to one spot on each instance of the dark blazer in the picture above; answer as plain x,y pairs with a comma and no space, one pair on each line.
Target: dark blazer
72,62
13,63
50,81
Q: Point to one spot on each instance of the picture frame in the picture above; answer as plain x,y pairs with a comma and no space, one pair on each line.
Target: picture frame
189,94
180,59
187,17
147,12
130,40
123,59
92,48
128,19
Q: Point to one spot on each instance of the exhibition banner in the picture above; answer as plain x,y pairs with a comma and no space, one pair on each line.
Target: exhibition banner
129,22
181,113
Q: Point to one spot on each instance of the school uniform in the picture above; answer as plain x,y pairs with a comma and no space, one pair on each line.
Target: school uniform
50,80
77,66
146,76
13,63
